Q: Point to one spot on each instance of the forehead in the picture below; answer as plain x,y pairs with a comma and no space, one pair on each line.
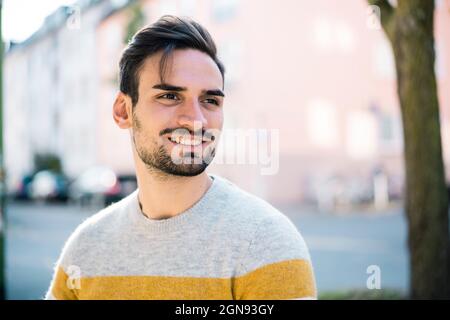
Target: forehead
188,68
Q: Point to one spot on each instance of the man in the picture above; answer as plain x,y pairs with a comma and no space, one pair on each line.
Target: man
183,234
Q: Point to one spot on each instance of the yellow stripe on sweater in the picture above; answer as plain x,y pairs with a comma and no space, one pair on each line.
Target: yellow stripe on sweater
282,280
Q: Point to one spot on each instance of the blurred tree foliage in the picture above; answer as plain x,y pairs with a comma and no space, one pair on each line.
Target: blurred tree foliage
47,161
135,22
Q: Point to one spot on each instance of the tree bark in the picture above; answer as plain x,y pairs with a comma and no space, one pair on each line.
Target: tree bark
409,27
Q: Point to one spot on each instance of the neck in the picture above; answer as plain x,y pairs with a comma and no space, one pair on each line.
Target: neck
165,197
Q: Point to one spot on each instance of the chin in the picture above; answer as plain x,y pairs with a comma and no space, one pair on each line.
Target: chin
187,170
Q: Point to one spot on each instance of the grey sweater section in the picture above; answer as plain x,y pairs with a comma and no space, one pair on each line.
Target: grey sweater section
226,234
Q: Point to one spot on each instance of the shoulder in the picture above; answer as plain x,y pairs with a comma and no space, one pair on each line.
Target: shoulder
80,249
268,229
275,263
93,231
242,203
257,212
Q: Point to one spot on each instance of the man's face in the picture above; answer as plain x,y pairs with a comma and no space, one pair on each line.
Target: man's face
170,119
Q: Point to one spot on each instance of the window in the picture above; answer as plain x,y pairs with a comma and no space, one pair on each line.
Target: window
383,59
361,134
322,123
224,10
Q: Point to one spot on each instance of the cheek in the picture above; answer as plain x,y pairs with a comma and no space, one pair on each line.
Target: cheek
215,120
144,131
154,118
162,116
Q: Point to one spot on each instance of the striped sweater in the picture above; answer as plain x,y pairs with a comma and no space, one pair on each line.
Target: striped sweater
228,245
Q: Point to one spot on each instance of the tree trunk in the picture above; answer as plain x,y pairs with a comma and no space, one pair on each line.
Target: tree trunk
409,27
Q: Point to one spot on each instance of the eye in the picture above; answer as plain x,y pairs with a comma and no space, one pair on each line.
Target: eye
169,96
212,101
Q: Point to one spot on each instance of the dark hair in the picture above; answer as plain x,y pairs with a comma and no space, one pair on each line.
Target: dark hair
166,34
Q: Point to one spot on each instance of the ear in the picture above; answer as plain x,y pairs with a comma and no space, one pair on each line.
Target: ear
122,111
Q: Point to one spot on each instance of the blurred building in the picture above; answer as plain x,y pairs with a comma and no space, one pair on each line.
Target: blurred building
51,91
320,72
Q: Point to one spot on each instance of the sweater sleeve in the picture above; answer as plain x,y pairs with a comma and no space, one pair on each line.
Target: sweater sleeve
277,264
66,278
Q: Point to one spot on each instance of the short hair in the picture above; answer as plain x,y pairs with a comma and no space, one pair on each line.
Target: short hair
166,34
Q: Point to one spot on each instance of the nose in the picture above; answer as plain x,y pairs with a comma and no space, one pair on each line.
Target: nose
191,115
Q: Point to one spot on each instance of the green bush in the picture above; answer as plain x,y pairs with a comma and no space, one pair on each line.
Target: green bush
364,294
47,161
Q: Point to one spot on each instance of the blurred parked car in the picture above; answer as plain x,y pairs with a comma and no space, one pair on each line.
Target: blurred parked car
22,191
49,186
125,184
101,186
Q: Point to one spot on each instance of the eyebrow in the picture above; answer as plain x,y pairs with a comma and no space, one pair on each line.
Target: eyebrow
169,87
216,92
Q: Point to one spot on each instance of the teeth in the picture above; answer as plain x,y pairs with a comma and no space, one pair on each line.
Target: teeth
187,141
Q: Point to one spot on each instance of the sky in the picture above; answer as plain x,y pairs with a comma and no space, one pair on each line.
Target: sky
22,17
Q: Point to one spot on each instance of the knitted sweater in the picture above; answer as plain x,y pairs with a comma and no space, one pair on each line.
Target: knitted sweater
228,245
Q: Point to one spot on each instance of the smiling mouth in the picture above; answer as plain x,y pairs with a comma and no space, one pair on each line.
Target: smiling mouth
190,141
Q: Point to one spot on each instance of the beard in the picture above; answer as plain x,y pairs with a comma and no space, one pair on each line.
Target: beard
160,160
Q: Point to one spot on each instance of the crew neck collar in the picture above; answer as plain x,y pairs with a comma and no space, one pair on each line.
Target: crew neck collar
186,217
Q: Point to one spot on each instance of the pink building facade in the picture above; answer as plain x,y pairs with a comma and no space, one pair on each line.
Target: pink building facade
318,76
321,73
